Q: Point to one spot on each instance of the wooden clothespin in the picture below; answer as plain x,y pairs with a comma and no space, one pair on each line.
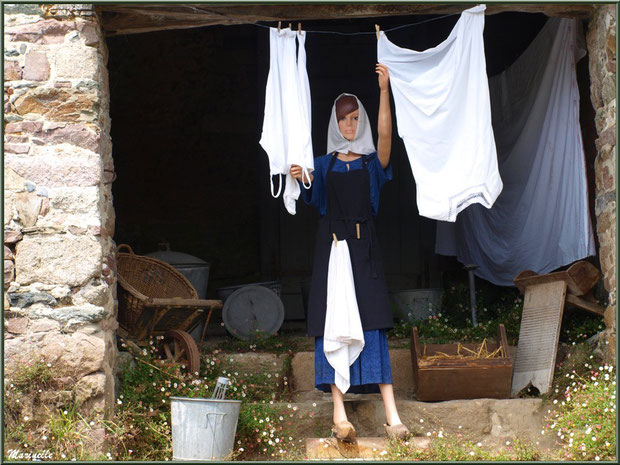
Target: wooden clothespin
378,29
299,28
290,26
279,25
357,226
335,239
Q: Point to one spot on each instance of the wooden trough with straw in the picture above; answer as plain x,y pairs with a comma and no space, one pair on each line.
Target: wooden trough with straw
461,371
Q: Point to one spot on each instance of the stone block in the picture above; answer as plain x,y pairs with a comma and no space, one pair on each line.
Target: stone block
26,299
610,317
16,148
59,104
17,325
24,126
12,237
89,32
12,71
58,259
76,62
8,211
58,166
303,371
9,272
36,67
88,387
13,181
75,207
8,254
23,8
48,31
360,449
74,355
95,292
79,135
28,208
44,325
70,317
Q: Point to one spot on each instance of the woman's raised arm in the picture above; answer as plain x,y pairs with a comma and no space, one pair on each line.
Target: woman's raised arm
384,121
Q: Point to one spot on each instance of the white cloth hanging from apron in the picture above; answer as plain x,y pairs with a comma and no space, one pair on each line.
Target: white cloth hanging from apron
443,115
286,135
343,338
541,220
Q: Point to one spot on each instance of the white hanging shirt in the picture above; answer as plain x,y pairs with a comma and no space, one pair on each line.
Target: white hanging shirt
443,115
286,135
343,337
541,220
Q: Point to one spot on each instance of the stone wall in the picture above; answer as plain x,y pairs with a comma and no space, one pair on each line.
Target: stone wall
601,42
59,283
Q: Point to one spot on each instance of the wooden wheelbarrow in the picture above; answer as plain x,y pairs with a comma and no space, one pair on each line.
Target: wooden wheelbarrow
154,299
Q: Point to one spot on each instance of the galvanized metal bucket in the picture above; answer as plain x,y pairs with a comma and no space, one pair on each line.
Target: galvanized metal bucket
203,429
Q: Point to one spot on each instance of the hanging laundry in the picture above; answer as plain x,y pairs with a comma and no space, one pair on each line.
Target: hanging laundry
541,220
286,135
343,338
443,115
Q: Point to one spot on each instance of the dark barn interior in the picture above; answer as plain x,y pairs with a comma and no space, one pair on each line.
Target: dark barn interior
187,110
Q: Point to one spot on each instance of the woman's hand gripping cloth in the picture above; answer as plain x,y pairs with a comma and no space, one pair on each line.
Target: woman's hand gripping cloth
443,115
343,338
286,133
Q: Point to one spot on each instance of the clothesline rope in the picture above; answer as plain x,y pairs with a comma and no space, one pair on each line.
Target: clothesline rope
369,32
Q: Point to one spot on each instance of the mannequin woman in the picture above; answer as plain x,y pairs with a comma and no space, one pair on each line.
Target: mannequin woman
346,184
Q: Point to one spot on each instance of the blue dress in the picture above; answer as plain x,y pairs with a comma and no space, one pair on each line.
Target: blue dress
373,365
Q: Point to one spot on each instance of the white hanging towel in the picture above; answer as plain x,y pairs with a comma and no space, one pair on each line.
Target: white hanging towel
300,142
343,337
443,115
286,135
541,220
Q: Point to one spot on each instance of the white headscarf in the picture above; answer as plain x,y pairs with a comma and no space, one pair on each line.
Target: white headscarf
362,142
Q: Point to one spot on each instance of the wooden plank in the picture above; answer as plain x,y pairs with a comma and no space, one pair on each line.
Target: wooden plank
580,278
584,304
135,18
543,307
437,384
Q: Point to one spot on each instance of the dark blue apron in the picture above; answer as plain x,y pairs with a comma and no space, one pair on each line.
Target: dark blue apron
348,211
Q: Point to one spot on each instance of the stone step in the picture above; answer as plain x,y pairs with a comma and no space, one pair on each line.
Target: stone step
361,448
489,421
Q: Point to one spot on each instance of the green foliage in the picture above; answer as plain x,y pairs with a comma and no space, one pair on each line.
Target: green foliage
449,448
585,420
494,305
273,343
453,322
32,425
141,428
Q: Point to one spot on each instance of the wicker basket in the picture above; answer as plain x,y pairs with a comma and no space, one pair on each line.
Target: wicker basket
143,277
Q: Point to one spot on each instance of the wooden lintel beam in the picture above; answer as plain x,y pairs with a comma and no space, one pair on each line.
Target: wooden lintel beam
134,18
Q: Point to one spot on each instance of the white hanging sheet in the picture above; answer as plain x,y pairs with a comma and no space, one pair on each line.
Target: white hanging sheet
541,220
343,336
443,115
286,135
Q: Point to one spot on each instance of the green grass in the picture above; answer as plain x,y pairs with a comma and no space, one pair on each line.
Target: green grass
449,448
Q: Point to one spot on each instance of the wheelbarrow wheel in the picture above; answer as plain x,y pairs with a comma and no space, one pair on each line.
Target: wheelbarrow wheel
180,348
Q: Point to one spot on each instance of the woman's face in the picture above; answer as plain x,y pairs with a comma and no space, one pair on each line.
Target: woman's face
348,124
